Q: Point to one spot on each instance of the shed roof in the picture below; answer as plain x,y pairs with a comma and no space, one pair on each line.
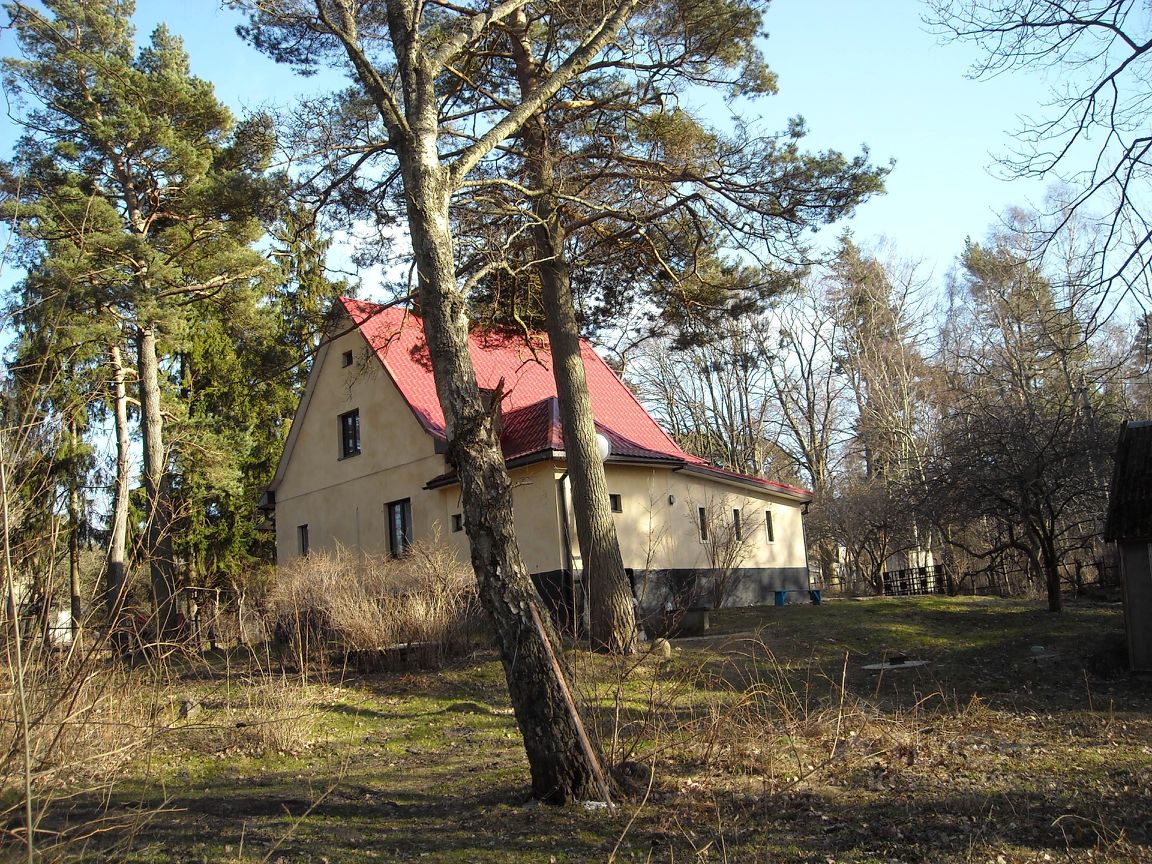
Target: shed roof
1130,499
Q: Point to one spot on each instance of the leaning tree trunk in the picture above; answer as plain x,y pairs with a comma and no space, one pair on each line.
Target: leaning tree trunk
158,546
559,767
612,613
114,582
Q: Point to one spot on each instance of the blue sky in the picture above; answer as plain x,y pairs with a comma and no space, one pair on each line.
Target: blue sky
859,71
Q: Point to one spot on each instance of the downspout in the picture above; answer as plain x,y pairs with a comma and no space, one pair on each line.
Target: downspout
804,546
566,542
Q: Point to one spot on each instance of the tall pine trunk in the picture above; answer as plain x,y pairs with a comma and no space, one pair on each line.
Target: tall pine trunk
74,592
559,768
158,545
114,583
612,612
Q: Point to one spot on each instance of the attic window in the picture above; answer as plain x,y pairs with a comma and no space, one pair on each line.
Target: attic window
616,503
346,359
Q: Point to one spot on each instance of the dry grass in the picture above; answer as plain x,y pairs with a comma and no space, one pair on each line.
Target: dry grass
776,745
355,603
86,720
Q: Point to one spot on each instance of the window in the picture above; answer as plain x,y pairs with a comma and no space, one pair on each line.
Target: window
736,531
399,527
350,434
302,539
702,514
346,359
616,503
457,523
768,526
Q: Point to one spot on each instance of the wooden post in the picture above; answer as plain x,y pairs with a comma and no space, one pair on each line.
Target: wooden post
578,722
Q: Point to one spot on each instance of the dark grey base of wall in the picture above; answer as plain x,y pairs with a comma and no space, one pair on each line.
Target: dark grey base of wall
563,601
746,586
656,590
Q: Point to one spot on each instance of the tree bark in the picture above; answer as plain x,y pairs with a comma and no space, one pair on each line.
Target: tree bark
559,770
1050,567
114,582
612,612
75,609
158,545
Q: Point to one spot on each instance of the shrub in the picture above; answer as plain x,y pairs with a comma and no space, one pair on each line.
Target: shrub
354,602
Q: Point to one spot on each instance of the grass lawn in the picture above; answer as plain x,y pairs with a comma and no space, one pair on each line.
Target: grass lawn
1021,739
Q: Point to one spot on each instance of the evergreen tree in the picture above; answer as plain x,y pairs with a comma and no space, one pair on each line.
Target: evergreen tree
133,163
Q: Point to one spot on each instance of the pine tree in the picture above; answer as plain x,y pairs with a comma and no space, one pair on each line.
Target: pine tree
134,165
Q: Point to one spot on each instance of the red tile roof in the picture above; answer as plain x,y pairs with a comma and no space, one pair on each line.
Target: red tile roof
525,367
531,415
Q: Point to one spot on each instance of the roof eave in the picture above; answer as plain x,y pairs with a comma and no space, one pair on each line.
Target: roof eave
789,493
516,462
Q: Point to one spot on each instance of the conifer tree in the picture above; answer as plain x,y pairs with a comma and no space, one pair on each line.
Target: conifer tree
131,163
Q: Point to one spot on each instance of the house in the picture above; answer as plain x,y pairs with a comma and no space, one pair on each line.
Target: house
1129,525
364,467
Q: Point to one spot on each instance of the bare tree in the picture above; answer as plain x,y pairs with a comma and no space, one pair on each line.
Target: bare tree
1095,132
809,387
1031,412
711,397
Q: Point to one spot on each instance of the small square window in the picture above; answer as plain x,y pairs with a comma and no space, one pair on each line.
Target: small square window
346,359
616,503
768,526
457,523
350,434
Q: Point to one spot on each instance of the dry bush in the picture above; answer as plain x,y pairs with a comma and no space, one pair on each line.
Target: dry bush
256,713
356,602
69,723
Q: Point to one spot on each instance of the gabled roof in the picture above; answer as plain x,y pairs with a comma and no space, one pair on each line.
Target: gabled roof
1130,501
522,369
523,366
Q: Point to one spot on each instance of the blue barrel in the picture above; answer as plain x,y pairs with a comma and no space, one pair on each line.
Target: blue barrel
781,598
814,596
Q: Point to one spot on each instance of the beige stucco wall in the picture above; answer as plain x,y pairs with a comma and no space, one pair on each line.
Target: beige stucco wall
535,511
657,534
343,501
